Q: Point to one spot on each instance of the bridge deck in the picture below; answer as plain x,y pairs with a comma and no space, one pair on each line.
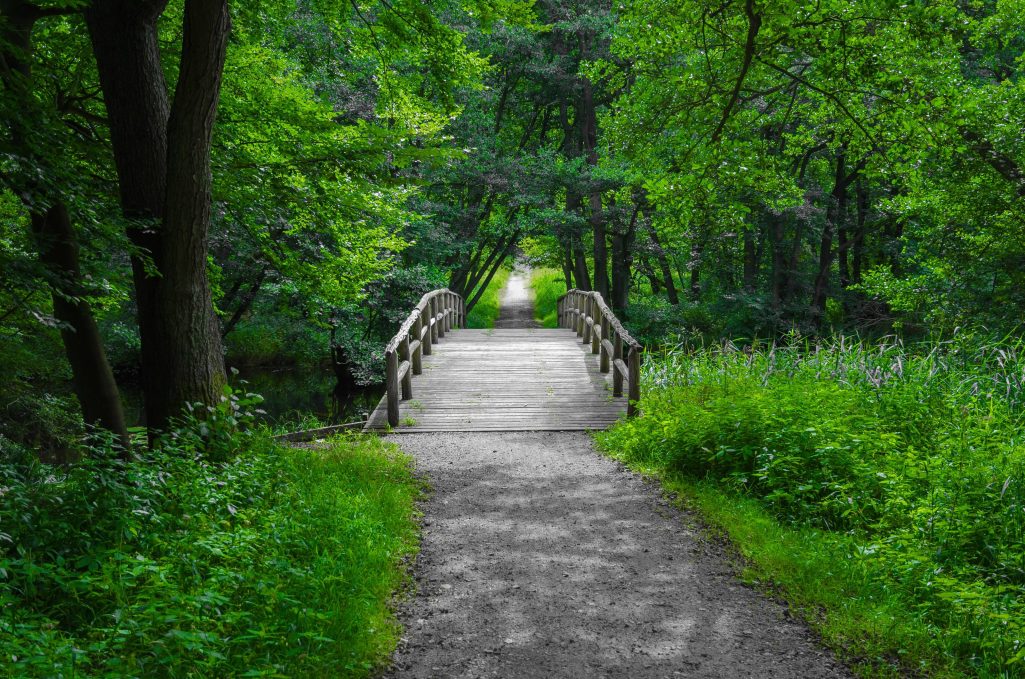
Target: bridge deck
522,379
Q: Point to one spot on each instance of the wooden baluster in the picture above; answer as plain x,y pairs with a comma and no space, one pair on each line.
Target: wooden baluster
617,354
425,321
603,361
579,308
391,370
588,313
441,312
418,326
596,333
433,305
635,381
407,378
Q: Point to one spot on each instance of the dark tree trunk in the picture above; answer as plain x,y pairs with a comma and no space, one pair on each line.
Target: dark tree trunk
589,139
663,264
750,261
90,371
836,216
859,235
622,262
162,154
57,245
779,262
580,272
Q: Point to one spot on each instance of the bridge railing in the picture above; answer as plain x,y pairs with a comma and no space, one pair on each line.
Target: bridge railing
587,313
437,312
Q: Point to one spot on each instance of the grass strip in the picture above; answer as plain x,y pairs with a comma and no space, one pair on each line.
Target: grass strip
548,285
485,312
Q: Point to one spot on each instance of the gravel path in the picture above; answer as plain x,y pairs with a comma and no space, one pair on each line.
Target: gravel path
516,308
541,558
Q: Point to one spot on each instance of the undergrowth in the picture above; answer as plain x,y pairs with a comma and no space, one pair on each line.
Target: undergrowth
548,285
902,471
485,312
216,553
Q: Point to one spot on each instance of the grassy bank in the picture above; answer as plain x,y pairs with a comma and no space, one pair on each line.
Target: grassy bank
878,489
548,285
485,311
278,562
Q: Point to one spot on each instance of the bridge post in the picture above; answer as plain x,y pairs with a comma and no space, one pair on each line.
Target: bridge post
589,314
434,319
617,355
635,382
391,370
407,376
579,304
603,360
441,315
597,318
417,358
425,322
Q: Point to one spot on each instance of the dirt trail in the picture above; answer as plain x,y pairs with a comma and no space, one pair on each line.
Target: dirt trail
516,307
541,558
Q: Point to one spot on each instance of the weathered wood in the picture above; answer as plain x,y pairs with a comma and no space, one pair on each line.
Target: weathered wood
617,358
634,382
405,376
391,370
507,380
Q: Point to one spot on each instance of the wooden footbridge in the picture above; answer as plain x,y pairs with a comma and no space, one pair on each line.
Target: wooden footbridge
443,377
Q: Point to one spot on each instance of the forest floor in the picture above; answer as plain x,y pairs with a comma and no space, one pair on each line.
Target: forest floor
542,558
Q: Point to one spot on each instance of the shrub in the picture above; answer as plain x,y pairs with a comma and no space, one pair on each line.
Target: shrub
915,455
276,561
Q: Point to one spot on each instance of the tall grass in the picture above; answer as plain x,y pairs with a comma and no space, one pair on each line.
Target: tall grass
485,312
908,463
548,285
278,562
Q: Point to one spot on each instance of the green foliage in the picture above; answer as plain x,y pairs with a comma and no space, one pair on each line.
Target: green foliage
916,456
548,285
274,562
485,311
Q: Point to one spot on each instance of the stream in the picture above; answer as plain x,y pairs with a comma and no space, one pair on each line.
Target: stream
289,393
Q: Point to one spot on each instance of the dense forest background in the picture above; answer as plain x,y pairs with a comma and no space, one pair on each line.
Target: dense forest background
731,170
828,196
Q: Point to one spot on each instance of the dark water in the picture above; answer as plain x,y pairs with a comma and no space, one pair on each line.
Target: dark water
290,394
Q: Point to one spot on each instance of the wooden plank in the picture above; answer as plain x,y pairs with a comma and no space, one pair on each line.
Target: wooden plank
529,379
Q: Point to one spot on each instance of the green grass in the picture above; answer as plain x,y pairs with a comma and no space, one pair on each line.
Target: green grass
548,285
876,488
278,562
485,311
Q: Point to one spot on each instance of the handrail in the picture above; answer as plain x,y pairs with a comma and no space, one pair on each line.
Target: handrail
436,313
586,312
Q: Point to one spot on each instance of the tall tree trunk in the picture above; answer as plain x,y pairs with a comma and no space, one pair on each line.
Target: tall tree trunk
622,261
589,140
57,245
162,154
750,261
819,292
779,262
859,235
91,375
663,264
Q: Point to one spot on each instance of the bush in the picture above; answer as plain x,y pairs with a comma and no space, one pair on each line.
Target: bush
278,561
915,456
